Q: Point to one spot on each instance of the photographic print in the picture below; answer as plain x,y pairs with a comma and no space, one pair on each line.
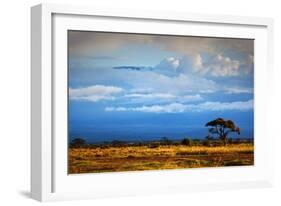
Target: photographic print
152,102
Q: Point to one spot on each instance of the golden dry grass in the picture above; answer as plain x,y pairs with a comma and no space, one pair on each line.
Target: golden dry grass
132,158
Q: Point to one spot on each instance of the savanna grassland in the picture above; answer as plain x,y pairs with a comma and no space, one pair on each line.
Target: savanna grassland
150,157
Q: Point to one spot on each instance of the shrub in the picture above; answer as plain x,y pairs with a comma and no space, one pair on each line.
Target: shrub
166,141
118,143
238,141
187,142
207,143
78,142
153,145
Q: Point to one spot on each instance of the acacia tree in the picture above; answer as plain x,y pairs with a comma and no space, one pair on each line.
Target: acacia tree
222,128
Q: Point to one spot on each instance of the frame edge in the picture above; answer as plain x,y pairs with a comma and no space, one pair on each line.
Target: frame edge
36,118
40,25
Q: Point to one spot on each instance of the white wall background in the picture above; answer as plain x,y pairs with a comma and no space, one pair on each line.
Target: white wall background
15,101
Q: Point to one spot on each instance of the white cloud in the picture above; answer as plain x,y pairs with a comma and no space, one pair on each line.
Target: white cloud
194,47
197,61
224,66
174,62
190,98
248,66
170,108
94,93
179,108
216,65
161,97
93,98
168,66
238,90
180,84
151,96
222,106
219,65
141,90
207,91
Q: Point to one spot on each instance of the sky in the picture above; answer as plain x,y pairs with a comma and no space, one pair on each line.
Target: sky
136,87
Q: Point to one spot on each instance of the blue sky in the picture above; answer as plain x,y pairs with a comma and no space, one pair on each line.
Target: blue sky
142,87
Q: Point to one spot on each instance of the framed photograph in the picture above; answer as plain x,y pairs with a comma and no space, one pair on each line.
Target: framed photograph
137,102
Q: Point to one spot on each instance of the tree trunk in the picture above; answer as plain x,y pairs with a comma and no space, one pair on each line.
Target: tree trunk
224,140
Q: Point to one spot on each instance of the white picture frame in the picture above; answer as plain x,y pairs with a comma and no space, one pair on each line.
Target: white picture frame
49,179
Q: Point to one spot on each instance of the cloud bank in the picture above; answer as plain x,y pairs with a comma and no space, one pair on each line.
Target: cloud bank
98,44
214,66
94,93
180,108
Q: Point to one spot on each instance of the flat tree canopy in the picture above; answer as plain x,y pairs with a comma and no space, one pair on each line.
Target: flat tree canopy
222,128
